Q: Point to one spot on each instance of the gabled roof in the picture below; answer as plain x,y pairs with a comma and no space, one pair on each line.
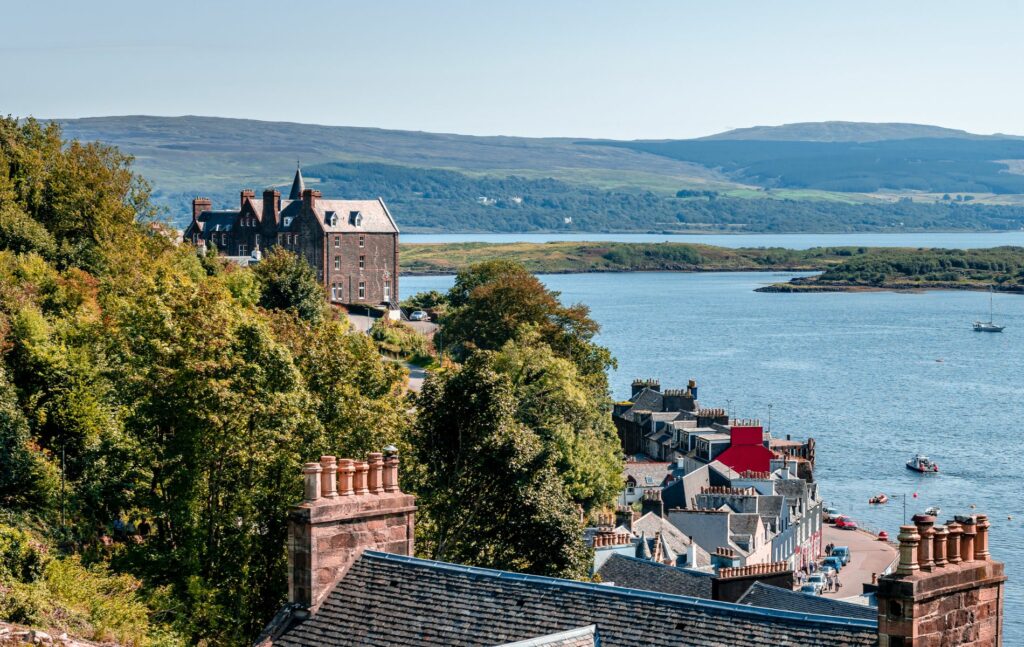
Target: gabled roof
396,601
647,473
774,597
650,524
582,637
635,573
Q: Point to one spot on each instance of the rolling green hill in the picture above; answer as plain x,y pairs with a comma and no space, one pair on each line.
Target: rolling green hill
831,176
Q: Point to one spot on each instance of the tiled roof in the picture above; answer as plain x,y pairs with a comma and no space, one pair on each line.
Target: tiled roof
773,597
643,574
582,637
651,523
647,474
390,600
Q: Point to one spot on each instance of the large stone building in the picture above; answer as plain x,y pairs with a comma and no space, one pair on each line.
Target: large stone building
352,244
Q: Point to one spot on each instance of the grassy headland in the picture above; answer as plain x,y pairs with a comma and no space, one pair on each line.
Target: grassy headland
842,268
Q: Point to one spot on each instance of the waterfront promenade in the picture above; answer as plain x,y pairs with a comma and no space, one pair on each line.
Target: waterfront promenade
867,556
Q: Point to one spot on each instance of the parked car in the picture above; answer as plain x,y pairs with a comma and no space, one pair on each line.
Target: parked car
842,552
845,523
828,569
419,315
830,514
833,562
811,589
817,580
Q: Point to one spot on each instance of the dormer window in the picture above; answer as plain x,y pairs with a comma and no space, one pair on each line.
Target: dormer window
332,218
355,218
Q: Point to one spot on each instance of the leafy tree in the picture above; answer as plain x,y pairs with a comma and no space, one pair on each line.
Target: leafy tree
25,480
287,282
489,493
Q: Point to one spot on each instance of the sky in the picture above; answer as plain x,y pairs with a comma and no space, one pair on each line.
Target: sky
625,70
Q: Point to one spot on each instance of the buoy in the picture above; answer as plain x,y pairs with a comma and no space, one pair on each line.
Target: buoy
972,506
883,536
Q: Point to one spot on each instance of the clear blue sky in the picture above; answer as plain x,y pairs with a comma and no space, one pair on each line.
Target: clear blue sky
602,69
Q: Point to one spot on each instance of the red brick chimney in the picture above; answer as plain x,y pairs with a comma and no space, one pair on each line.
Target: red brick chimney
246,193
271,205
309,198
348,507
946,589
200,205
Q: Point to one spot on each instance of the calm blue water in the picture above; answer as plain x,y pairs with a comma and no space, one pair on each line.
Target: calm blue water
791,241
857,371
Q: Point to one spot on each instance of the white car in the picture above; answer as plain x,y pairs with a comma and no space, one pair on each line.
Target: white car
818,580
419,315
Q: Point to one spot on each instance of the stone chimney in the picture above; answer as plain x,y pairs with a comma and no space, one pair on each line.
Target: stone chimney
271,205
640,384
200,205
729,584
348,507
309,198
246,193
946,589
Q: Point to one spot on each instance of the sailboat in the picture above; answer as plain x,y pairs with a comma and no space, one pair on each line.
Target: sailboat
988,326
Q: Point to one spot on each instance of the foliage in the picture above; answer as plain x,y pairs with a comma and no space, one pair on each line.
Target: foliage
488,492
429,301
399,339
178,404
1003,266
287,282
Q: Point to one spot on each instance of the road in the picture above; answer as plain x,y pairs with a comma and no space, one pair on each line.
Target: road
867,556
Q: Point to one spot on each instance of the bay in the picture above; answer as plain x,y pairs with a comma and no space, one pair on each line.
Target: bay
874,377
945,240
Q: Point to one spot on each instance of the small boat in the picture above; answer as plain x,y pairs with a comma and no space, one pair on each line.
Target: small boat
933,511
922,464
988,326
879,498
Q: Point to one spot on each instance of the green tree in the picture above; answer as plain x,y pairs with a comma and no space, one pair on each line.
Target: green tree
488,492
287,282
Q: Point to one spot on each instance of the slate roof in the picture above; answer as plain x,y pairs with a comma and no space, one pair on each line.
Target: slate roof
643,574
647,473
648,400
650,524
298,185
396,601
773,597
582,637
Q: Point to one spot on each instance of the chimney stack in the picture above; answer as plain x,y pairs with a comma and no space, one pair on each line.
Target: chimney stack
347,507
946,589
246,193
309,198
271,206
200,205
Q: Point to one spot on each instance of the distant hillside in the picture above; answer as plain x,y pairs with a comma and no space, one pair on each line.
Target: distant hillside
841,131
445,182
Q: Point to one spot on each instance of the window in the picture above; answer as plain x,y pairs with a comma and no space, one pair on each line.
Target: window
362,262
355,218
257,240
362,289
387,291
242,250
333,219
280,239
224,240
337,262
195,238
362,240
337,241
335,291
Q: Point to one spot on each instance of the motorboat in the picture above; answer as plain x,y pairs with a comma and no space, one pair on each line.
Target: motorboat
879,498
922,464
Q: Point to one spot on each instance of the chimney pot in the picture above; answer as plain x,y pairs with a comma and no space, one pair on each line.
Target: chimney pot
362,467
909,540
329,477
967,538
311,473
953,543
391,473
941,534
376,481
981,540
925,529
345,472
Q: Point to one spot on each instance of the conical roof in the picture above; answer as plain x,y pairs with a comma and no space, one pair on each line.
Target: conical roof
667,554
643,551
298,186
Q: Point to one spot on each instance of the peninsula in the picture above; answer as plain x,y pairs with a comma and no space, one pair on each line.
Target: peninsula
842,268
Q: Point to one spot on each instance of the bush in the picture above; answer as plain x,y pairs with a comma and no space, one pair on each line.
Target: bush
398,339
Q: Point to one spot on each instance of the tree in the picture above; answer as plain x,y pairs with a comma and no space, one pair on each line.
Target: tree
287,282
488,493
491,301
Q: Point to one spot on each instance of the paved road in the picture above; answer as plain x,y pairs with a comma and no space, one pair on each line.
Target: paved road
867,556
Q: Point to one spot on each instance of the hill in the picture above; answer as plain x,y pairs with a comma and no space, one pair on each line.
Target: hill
838,181
841,131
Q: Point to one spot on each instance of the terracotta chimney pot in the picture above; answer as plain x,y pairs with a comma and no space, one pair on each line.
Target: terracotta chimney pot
345,471
924,524
981,541
953,544
909,540
376,481
391,474
939,545
970,529
359,484
329,477
311,473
